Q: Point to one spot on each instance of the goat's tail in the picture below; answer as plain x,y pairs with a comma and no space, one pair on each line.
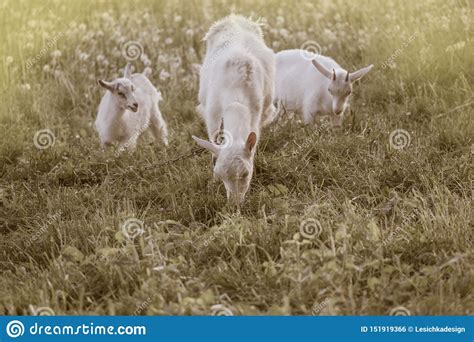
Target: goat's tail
241,67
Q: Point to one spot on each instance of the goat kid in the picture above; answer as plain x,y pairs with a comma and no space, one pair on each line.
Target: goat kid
314,86
129,108
235,91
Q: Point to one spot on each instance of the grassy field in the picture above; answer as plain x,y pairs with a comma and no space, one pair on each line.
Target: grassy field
341,222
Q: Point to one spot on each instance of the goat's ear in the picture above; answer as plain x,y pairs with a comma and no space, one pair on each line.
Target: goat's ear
207,145
357,75
251,141
322,69
128,70
107,85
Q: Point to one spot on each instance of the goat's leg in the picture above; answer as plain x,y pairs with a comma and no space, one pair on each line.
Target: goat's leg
336,120
269,110
158,125
308,116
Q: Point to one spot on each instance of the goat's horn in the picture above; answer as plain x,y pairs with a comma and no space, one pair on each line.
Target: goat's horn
347,77
333,75
127,70
222,124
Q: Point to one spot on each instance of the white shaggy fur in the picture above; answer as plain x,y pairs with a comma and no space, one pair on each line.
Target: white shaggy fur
236,91
128,108
314,85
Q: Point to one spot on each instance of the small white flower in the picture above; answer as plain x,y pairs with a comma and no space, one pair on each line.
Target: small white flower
25,87
175,63
56,54
164,75
177,19
455,47
83,56
330,35
9,60
144,58
196,68
147,71
46,68
168,41
284,33
302,36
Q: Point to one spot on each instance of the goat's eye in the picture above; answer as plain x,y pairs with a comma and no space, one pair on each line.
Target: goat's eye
121,94
245,174
329,90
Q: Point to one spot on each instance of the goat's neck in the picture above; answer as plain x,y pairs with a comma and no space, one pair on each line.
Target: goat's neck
237,121
116,112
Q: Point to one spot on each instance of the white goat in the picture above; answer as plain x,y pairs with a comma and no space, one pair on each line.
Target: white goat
236,91
314,85
128,108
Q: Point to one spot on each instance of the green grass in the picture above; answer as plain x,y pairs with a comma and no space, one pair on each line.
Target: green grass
396,225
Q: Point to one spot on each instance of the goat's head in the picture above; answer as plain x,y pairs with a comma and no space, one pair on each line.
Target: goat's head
123,89
234,165
340,85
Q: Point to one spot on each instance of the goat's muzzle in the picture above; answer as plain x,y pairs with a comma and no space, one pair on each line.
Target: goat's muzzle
134,107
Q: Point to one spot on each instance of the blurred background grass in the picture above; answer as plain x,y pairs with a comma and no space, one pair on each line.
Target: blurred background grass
397,225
